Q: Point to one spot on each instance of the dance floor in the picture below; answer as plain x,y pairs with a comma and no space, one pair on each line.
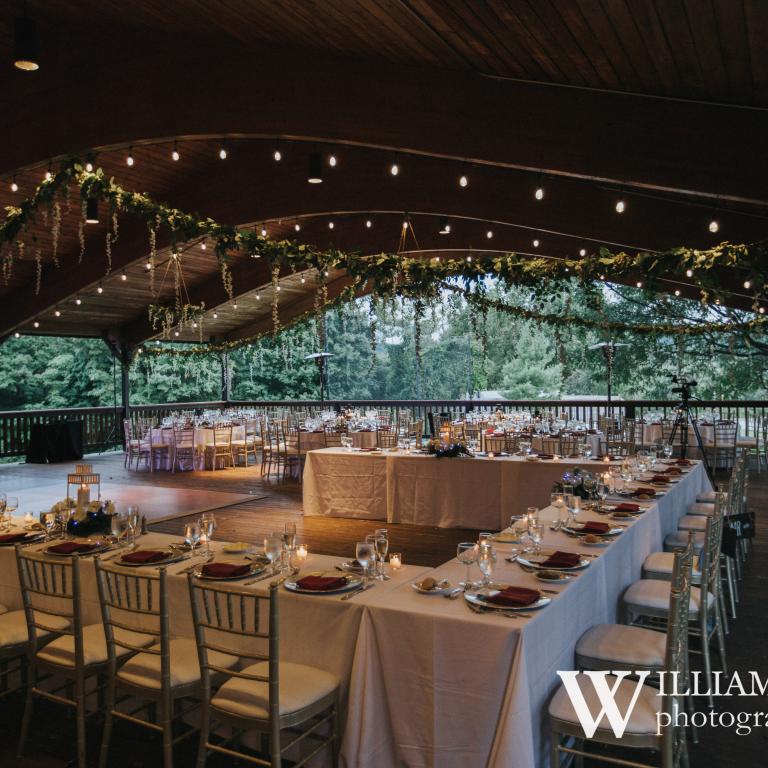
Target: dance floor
248,506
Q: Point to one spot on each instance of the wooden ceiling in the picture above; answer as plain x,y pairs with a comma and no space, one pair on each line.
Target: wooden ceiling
419,81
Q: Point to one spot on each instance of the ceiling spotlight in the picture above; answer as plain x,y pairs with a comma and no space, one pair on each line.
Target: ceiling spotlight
394,169
92,210
277,155
222,153
445,227
368,223
175,156
297,226
535,243
25,53
330,225
463,180
714,226
78,301
677,291
129,160
332,161
123,276
747,284
100,289
583,252
36,324
489,234
315,175
539,193
14,185
620,206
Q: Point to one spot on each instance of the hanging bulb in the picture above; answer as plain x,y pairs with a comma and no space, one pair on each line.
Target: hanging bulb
234,305
203,246
129,159
222,153
463,180
297,226
148,265
469,259
714,226
677,291
14,185
48,175
620,206
215,315
330,225
175,156
405,223
747,284
36,324
277,155
535,243
394,169
57,313
78,301
332,161
489,234
123,276
100,289
639,284
303,280
583,252
539,193
263,231
689,273
175,333
89,167
278,287
17,335
445,227
368,223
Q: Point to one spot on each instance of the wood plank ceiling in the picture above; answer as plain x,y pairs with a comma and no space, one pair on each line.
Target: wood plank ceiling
706,50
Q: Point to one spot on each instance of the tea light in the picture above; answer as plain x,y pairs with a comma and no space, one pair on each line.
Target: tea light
395,561
301,553
606,459
491,455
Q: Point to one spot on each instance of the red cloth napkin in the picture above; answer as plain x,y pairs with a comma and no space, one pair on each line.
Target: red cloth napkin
659,479
683,463
226,570
322,583
644,492
490,431
70,547
595,527
11,538
591,431
514,596
562,560
545,455
626,507
672,471
144,556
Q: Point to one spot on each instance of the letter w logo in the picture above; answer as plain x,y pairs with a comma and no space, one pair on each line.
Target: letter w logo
606,696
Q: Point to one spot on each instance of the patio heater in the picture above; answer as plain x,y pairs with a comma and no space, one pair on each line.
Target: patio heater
609,352
320,359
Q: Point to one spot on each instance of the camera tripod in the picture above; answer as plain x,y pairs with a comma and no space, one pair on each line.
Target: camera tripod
684,420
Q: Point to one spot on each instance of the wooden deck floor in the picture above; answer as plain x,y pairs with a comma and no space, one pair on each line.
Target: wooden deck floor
273,504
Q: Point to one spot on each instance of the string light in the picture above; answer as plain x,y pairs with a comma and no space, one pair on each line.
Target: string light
48,174
175,156
278,288
36,324
258,297
539,193
535,243
445,227
263,231
583,252
297,226
330,225
714,226
14,185
57,313
469,259
332,161
234,305
215,315
368,223
689,273
78,301
677,291
489,234
405,223
175,333
303,280
16,335
129,159
194,325
203,246
148,265
326,273
100,289
157,342
277,155
89,167
620,206
747,284
639,284
761,310
123,276
463,180
222,153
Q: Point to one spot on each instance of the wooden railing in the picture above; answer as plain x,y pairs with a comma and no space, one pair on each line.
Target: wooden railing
102,427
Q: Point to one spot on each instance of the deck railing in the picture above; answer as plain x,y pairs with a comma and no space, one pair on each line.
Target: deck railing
102,427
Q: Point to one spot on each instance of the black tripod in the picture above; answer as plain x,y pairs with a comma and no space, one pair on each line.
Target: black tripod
684,420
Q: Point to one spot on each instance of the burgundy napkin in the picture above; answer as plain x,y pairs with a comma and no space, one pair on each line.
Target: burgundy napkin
546,455
562,560
515,597
644,492
70,547
226,570
591,431
672,471
595,527
626,507
12,538
144,556
659,479
322,583
683,463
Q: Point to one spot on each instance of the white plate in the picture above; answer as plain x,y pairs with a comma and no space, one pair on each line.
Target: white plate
237,547
172,556
255,570
29,537
563,577
351,568
353,581
475,597
507,537
436,591
579,532
534,562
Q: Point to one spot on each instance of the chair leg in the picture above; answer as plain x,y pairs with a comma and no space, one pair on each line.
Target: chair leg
108,719
731,586
28,708
80,719
706,658
720,641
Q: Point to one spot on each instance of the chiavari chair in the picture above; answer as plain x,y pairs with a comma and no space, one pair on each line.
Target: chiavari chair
286,703
724,447
183,447
221,446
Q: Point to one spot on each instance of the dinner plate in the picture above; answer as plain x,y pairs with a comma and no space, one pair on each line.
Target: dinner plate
475,596
580,532
237,547
535,561
29,537
561,577
102,546
631,495
436,591
255,570
507,537
350,567
353,582
171,556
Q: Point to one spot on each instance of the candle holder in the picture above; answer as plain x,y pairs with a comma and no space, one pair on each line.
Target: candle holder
395,561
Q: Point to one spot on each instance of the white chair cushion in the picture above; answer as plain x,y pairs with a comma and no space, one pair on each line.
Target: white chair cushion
701,509
747,442
144,668
654,595
679,540
638,647
707,497
300,686
13,627
62,650
692,523
642,721
659,565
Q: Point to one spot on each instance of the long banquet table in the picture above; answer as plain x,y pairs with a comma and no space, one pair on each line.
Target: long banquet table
414,488
426,681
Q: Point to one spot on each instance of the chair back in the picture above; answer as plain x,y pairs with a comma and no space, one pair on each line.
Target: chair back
135,602
183,437
127,432
725,434
222,435
386,438
709,560
50,592
332,438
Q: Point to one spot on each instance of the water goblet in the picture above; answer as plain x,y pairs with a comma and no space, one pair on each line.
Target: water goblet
557,500
289,536
667,450
273,549
602,494
133,523
192,534
365,554
11,505
466,553
208,527
48,521
536,532
588,451
485,562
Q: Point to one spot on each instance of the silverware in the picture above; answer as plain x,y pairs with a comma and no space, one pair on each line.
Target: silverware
287,576
357,591
512,559
260,578
454,593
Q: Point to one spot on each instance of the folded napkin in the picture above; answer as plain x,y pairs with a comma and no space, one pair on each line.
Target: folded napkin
644,492
672,471
70,547
591,431
562,560
490,431
144,556
12,538
226,570
626,507
659,479
514,596
322,583
595,526
546,455
683,463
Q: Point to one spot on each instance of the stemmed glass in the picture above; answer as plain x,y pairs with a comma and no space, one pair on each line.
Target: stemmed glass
289,541
590,484
273,549
208,527
485,562
133,524
602,494
11,505
570,503
192,533
466,552
667,450
536,532
365,554
381,542
587,450
48,521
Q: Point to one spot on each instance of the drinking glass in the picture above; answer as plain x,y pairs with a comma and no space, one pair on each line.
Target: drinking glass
273,549
602,494
208,527
365,554
289,536
484,538
485,562
667,450
381,542
557,500
570,503
587,450
525,447
118,525
48,521
133,524
191,534
532,513
466,552
589,484
11,505
536,532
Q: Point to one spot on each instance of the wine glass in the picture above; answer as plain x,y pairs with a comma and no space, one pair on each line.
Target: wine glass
133,524
208,527
365,554
273,549
11,505
381,542
667,450
466,552
192,534
602,494
587,450
48,521
485,562
570,503
536,532
118,525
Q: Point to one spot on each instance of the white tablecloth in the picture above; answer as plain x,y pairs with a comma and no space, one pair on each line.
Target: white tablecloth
414,488
652,433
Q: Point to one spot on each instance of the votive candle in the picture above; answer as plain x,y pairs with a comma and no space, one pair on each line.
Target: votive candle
395,561
301,553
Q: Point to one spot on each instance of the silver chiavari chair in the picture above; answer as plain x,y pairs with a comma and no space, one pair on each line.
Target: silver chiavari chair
285,702
183,447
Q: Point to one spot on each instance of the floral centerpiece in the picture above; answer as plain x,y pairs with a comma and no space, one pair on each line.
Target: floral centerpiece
443,450
576,478
95,517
